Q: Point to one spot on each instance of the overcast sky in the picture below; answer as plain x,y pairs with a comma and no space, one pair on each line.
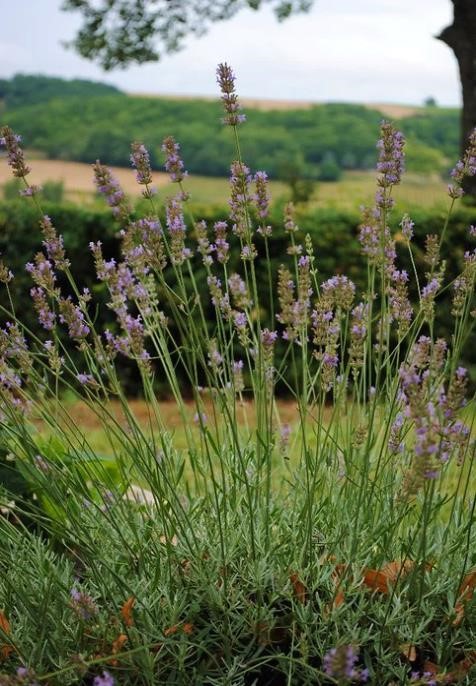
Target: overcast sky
343,50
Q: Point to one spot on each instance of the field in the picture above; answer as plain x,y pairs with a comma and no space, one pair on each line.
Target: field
353,190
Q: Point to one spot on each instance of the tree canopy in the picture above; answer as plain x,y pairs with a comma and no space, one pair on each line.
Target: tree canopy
117,33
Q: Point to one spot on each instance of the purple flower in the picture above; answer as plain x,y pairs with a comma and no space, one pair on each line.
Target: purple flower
174,165
108,186
30,191
407,227
72,315
15,157
46,316
268,338
141,162
391,156
104,680
222,247
340,663
261,198
240,320
84,378
83,604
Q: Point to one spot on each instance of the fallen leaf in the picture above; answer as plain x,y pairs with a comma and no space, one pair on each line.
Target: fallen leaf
5,649
126,611
465,594
408,650
171,630
338,576
118,644
382,579
299,589
376,580
460,670
430,667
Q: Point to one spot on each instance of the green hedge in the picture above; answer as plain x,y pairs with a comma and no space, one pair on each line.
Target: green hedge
334,233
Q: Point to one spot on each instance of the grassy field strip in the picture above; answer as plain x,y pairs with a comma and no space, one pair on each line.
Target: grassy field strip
354,188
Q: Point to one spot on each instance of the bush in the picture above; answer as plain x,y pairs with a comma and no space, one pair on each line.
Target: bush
227,537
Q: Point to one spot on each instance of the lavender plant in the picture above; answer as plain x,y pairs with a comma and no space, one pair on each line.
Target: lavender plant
335,546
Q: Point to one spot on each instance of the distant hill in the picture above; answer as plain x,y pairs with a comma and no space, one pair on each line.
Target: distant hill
31,89
391,110
83,121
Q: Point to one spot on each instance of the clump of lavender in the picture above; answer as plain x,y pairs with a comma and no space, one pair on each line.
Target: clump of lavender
174,165
15,157
226,81
341,664
432,410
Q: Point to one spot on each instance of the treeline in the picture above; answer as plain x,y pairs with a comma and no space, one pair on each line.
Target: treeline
31,89
334,234
316,143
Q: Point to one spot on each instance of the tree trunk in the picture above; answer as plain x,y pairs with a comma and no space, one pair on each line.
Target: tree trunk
461,38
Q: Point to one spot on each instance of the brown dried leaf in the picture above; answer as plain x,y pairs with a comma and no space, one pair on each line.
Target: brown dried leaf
126,611
300,590
382,579
460,670
431,667
338,576
171,630
466,592
408,650
5,649
118,644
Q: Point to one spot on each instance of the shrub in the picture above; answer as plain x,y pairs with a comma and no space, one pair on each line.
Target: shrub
239,540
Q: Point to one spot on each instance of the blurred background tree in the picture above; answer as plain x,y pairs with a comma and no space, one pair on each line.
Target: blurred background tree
117,33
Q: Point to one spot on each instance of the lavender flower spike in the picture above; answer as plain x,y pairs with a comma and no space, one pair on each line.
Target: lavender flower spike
11,142
174,165
226,81
391,156
141,162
